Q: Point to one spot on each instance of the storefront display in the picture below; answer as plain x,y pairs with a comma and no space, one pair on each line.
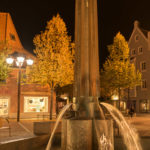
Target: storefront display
4,106
35,104
144,105
122,105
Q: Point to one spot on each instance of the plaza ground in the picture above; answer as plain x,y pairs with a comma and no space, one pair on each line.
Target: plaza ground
141,122
24,129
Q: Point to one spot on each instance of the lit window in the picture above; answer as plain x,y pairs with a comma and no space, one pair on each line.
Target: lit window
144,105
133,52
140,50
144,84
143,66
122,105
12,37
35,104
4,106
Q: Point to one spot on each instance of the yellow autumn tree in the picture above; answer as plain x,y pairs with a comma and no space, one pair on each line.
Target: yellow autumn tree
55,56
118,72
4,67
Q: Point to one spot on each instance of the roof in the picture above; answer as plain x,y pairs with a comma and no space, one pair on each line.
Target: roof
145,32
9,34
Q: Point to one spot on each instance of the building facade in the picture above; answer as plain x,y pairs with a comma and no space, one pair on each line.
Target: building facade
34,99
139,44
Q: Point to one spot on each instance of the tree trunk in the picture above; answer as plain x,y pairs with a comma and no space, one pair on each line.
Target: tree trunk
51,104
119,97
128,95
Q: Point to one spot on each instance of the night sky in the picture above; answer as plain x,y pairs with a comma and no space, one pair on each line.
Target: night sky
30,17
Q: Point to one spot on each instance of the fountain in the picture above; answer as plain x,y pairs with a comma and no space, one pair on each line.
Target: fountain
84,130
88,129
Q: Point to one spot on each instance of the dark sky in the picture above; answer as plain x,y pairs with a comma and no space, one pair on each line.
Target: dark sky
30,17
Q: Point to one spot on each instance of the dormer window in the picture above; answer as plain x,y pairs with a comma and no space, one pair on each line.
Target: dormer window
12,37
140,50
136,38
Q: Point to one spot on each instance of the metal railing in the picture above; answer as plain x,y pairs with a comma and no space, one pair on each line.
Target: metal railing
5,127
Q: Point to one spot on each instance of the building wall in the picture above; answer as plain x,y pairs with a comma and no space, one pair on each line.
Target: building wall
142,94
9,90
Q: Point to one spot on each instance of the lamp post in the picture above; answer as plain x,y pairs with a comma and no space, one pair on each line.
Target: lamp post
19,61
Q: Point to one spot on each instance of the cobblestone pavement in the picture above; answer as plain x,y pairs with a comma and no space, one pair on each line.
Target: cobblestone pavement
141,123
24,129
18,130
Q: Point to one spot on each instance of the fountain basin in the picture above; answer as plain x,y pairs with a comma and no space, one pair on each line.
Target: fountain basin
45,127
86,134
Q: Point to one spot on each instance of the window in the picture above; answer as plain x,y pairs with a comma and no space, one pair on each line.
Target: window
133,52
136,38
122,105
144,105
3,81
4,106
140,50
143,66
144,84
35,104
12,37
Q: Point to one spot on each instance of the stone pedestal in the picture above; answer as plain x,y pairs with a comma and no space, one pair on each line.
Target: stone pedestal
87,135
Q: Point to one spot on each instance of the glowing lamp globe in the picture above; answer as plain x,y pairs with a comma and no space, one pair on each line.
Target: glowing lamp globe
19,61
9,60
29,62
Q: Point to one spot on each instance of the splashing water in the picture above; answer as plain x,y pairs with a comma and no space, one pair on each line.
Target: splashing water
104,142
101,144
130,137
56,124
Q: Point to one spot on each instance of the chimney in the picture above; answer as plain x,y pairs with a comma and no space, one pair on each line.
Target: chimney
136,24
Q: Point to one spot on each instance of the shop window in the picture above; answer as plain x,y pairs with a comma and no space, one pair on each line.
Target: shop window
122,105
4,106
145,105
35,104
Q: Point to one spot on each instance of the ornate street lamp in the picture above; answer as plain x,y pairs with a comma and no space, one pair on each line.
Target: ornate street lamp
19,63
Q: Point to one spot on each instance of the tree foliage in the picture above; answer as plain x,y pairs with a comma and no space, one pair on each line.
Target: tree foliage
55,56
118,72
4,67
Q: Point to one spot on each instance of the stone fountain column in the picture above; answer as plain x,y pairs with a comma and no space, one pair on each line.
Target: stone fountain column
79,133
87,58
